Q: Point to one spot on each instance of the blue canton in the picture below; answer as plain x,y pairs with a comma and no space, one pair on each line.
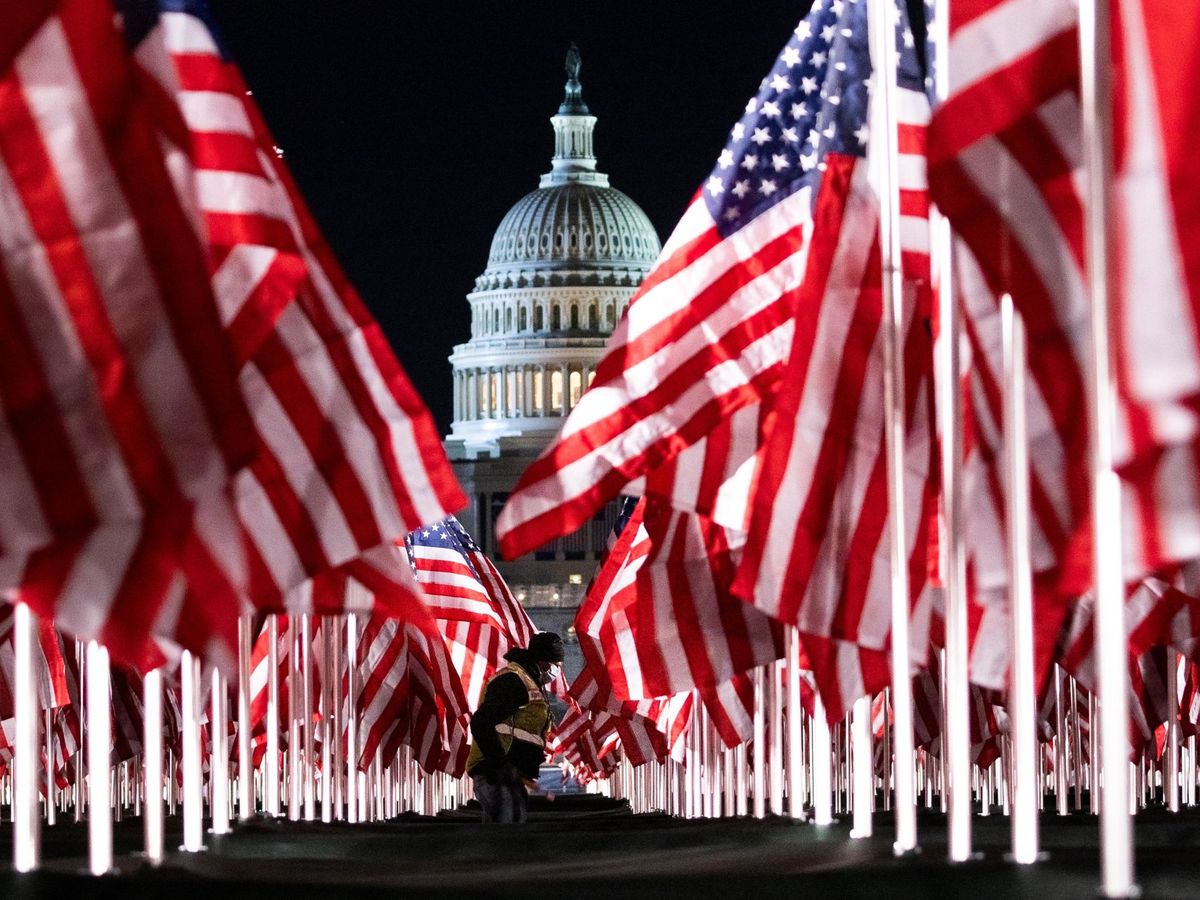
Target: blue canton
813,103
138,18
445,535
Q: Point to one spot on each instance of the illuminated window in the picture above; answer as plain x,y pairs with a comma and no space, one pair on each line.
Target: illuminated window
539,387
556,390
576,388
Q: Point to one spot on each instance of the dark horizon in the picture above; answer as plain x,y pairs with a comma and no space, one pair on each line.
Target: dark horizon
412,130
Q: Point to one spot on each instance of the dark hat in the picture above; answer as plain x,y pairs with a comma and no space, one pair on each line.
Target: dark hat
546,646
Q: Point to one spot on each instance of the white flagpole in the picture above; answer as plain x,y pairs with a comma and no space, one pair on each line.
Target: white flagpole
48,749
329,685
956,744
219,758
739,759
353,811
152,762
99,740
80,766
339,724
885,150
193,799
1171,757
820,763
864,768
760,746
310,788
245,759
795,718
26,820
1060,743
774,671
271,763
294,694
1076,745
1116,834
1022,694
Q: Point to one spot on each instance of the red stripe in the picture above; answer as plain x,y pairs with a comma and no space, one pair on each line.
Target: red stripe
176,259
230,229
224,152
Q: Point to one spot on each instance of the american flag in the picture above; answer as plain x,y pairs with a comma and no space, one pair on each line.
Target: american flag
118,385
478,614
816,555
652,629
451,584
409,690
347,456
711,327
49,666
1006,167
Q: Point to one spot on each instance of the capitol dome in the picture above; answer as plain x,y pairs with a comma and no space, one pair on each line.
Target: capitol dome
563,266
571,232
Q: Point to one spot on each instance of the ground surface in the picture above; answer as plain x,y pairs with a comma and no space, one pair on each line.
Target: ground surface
589,847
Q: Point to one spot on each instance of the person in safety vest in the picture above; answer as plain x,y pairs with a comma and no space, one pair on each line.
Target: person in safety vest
510,728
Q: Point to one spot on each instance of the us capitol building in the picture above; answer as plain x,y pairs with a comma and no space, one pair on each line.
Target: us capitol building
563,265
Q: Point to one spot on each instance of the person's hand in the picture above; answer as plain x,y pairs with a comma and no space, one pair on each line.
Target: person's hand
530,784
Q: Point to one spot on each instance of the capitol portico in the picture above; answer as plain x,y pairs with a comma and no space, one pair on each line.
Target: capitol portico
564,263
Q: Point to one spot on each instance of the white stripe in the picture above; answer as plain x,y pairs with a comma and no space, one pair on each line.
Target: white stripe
96,574
696,221
184,33
239,194
214,112
913,173
239,276
270,538
1002,36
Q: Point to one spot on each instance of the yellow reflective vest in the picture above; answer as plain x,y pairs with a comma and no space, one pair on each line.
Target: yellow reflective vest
530,723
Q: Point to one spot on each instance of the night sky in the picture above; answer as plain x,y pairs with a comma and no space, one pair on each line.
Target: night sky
412,127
